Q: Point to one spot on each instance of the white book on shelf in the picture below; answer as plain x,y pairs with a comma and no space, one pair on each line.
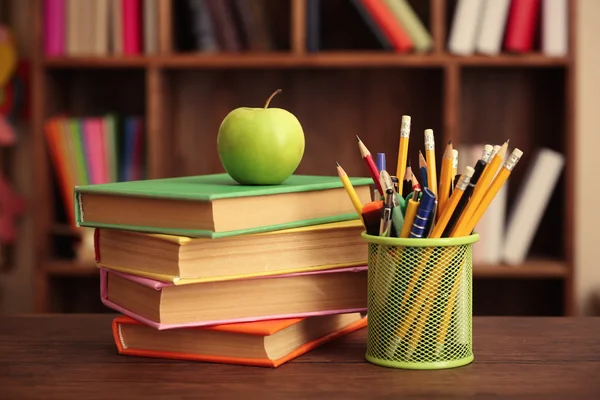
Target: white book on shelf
465,27
492,228
555,27
493,25
530,204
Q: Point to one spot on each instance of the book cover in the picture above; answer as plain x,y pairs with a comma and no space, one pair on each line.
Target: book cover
260,206
522,23
377,31
409,20
158,286
555,28
465,27
384,18
260,329
131,27
493,23
54,27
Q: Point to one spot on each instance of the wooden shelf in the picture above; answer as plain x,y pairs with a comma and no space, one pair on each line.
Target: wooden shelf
70,268
531,269
374,59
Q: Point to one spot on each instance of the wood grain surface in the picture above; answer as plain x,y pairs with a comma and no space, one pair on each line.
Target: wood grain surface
73,356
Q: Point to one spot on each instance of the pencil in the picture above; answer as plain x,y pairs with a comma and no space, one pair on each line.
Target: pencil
350,190
415,183
407,183
423,170
479,167
489,195
492,191
454,166
403,147
411,211
366,155
430,157
482,184
457,194
445,179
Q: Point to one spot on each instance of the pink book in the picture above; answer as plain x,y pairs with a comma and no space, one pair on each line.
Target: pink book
94,150
304,294
54,27
131,27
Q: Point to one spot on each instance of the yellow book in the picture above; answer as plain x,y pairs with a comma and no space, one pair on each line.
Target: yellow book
184,260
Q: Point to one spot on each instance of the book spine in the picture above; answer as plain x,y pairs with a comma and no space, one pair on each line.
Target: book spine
520,30
408,19
312,26
465,27
555,27
131,27
54,27
493,23
379,34
385,19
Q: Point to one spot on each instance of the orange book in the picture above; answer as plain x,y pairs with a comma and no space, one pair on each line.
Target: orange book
262,344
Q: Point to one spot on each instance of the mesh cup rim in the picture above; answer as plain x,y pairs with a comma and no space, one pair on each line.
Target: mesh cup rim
413,242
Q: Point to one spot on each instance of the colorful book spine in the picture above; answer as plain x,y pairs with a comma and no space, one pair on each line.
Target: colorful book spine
131,27
391,28
54,27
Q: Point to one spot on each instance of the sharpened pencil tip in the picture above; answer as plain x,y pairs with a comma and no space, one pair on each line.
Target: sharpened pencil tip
449,141
357,138
337,163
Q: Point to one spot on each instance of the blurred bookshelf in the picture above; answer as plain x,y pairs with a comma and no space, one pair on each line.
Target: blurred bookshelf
350,86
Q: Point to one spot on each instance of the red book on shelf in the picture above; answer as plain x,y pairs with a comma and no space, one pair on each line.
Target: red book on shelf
389,25
131,27
521,25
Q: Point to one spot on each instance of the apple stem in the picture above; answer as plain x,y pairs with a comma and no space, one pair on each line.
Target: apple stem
271,97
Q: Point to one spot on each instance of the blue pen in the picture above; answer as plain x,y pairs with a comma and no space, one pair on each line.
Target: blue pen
380,162
423,214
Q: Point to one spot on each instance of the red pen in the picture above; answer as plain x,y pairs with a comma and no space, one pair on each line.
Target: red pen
366,155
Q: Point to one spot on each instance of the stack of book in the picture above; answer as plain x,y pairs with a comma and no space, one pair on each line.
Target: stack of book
206,269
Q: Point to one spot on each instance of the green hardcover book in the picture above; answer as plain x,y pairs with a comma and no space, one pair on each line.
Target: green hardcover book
215,205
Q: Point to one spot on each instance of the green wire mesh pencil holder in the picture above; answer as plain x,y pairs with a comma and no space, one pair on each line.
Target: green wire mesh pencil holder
420,302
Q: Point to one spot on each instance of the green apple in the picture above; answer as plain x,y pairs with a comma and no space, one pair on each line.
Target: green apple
260,146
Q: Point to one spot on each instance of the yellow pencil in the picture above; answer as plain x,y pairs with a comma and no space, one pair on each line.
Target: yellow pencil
350,190
492,191
403,148
411,211
445,180
483,183
454,164
461,185
430,157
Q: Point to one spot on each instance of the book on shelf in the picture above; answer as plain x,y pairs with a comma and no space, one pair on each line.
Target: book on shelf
223,26
93,150
164,305
181,260
100,27
490,27
216,205
530,204
491,226
263,344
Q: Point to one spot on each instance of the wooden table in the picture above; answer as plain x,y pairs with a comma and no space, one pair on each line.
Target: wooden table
73,356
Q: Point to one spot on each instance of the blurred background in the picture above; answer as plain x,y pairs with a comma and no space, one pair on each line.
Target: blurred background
95,91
